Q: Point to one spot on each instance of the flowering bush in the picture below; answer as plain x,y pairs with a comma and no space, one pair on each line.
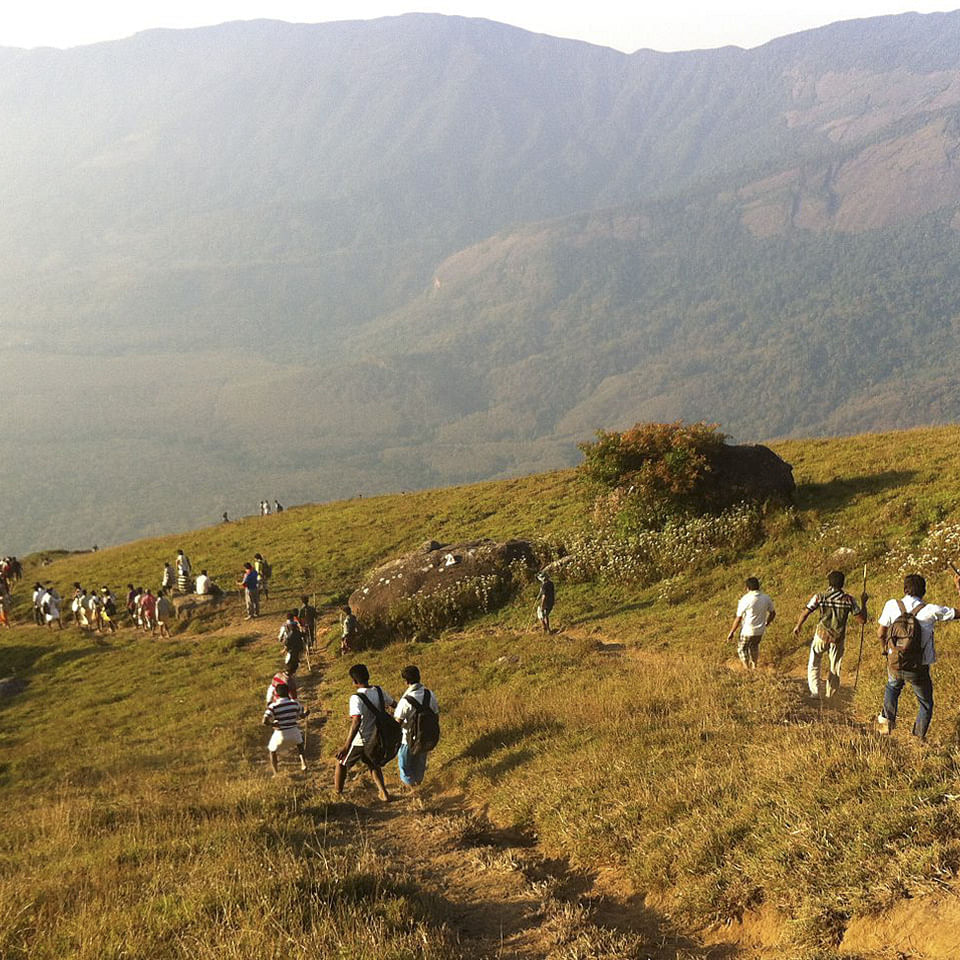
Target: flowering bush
649,472
651,555
938,548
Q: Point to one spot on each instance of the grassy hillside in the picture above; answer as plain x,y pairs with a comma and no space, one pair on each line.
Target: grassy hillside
677,806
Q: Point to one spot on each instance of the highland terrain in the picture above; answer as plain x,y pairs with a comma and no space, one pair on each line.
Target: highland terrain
617,789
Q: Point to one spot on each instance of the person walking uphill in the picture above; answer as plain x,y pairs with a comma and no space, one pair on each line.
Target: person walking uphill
417,713
829,637
293,640
361,742
250,583
283,715
906,637
545,600
755,612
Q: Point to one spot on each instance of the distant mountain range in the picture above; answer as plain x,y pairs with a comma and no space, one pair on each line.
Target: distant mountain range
309,261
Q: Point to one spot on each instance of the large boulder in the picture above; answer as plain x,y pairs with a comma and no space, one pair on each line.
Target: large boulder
749,472
440,585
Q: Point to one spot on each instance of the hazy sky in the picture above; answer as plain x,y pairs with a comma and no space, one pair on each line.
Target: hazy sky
626,25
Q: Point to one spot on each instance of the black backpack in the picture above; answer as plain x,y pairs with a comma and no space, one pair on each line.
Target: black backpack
424,731
904,646
293,641
387,733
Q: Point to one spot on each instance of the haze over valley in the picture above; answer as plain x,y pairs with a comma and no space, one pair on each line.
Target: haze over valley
310,261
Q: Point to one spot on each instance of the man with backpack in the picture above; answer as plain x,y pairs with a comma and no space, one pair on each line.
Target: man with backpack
755,612
291,636
830,635
906,639
264,572
418,714
371,740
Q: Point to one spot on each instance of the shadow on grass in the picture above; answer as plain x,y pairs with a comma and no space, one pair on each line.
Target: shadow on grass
503,737
22,659
608,613
841,490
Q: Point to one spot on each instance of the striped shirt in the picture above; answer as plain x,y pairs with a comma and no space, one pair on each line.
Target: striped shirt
283,714
835,607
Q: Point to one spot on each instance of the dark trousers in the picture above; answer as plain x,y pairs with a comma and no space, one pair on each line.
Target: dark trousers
923,690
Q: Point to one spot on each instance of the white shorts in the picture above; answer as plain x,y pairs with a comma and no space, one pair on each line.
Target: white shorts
290,735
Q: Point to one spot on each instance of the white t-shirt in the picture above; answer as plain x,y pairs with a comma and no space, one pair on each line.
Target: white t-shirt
203,585
926,618
367,719
405,711
754,607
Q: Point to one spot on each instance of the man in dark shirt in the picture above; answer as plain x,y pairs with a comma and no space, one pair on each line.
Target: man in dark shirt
545,600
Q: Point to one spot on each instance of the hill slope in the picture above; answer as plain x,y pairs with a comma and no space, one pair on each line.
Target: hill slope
697,810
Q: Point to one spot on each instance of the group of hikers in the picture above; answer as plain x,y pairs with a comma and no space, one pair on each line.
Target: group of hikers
381,728
265,507
905,633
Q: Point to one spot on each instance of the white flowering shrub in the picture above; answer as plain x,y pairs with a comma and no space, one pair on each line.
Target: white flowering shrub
653,555
938,548
429,613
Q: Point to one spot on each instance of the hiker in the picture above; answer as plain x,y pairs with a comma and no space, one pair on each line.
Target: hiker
283,715
277,506
251,591
169,580
829,637
291,636
4,605
38,591
545,600
78,607
132,603
283,676
412,758
349,629
148,611
183,572
363,726
264,572
50,605
165,613
205,586
93,611
225,518
307,616
906,638
109,611
755,612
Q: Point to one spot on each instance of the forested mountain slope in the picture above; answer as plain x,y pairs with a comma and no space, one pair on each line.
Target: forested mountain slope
273,255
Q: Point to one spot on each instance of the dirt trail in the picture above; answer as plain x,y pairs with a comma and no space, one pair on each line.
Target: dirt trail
495,890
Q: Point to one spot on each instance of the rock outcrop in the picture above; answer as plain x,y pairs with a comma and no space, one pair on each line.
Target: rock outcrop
749,472
440,585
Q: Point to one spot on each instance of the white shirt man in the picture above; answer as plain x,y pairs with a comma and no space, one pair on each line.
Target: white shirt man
755,612
926,615
203,584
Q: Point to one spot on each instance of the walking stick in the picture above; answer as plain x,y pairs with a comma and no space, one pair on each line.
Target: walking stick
862,625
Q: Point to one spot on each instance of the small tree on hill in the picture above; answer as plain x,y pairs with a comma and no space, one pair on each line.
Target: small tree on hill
650,472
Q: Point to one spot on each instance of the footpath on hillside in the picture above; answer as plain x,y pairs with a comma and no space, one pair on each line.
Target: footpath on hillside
496,890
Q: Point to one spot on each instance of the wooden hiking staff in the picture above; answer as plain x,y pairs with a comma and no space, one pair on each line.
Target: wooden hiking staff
862,626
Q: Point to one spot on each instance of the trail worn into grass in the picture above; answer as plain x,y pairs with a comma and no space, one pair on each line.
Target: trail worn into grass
494,889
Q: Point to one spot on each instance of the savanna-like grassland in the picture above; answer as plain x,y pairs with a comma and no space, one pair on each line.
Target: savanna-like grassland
619,788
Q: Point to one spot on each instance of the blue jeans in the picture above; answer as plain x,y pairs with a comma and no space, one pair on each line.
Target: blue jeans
412,766
923,690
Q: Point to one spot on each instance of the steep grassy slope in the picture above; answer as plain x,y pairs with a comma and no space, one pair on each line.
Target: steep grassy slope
629,743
